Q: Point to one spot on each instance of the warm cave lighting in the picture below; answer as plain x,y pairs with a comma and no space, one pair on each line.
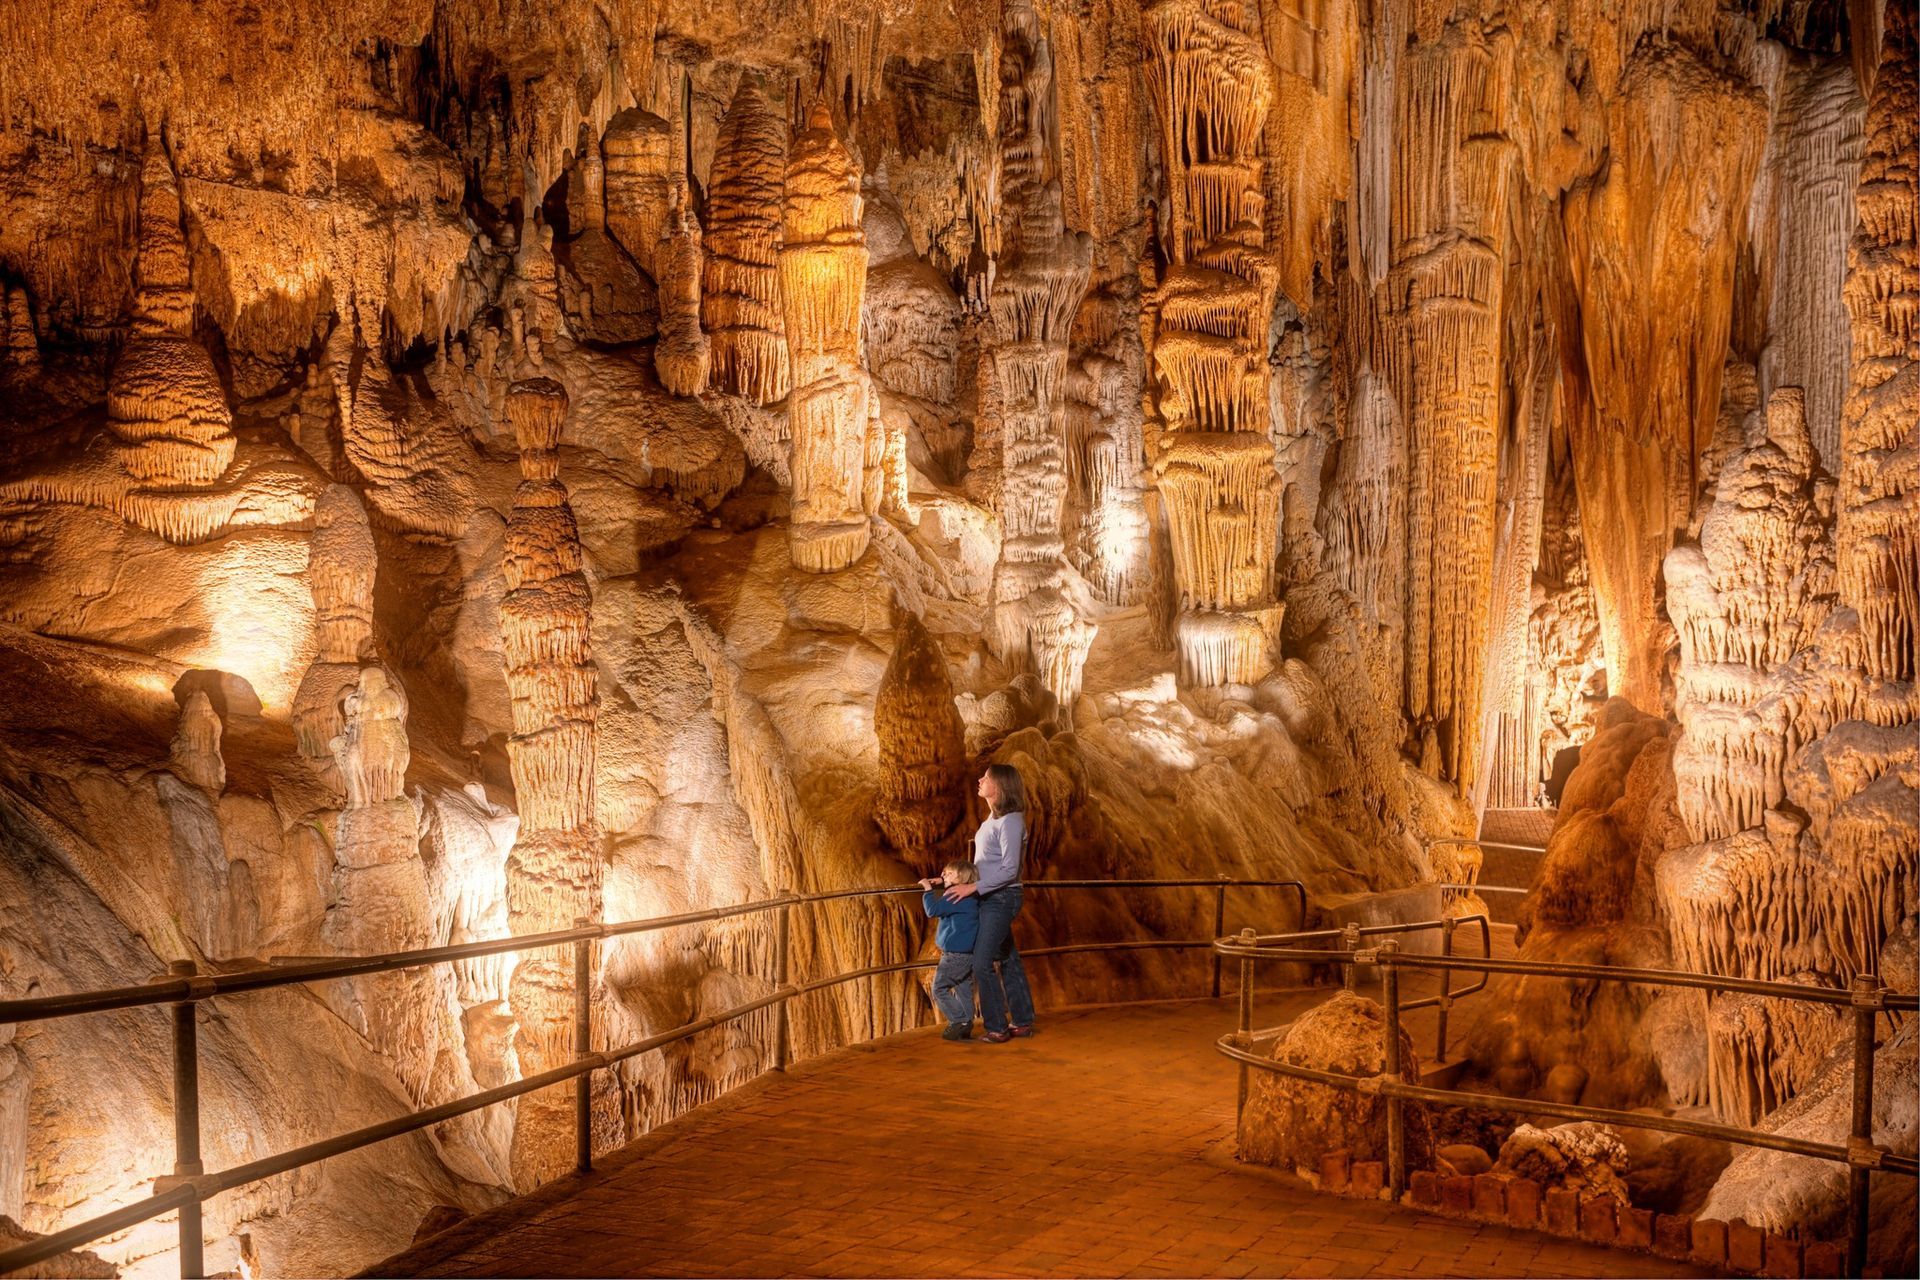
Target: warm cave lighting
1271,505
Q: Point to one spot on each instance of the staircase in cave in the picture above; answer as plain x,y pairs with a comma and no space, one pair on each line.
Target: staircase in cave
1512,842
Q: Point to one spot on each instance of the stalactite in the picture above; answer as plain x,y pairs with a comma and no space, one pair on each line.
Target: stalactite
1041,277
1878,532
164,400
823,272
554,870
640,183
340,569
923,762
1109,534
1212,88
681,355
740,305
19,342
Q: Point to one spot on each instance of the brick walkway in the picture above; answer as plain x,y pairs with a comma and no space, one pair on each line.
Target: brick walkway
1100,1148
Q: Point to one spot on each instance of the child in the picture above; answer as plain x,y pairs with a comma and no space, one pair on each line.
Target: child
959,922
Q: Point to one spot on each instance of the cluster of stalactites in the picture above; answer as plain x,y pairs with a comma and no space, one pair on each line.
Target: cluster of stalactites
1878,532
341,566
1764,1050
740,304
1104,449
1212,88
164,401
823,274
554,869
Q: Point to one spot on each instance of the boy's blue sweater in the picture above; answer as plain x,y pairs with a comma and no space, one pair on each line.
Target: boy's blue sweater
959,921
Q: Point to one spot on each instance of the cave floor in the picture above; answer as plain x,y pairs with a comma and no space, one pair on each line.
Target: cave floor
1101,1147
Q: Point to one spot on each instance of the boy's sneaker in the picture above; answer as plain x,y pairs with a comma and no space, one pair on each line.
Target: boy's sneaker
997,1037
957,1032
1021,1032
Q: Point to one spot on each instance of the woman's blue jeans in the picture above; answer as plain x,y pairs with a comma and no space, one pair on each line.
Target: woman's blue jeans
994,944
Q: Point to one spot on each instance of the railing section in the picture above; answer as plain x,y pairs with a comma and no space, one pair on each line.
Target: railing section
1867,998
190,1185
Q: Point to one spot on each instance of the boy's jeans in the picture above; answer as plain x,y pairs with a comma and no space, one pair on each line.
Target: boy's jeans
953,987
1005,991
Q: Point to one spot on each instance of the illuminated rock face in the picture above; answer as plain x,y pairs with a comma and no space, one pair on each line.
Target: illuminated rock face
740,305
1214,464
1691,137
554,871
823,274
923,764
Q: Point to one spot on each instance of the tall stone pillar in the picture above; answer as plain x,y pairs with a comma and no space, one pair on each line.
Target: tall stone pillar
554,870
740,299
823,275
1214,464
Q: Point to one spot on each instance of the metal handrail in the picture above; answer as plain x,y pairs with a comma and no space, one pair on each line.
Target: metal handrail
1866,998
189,1186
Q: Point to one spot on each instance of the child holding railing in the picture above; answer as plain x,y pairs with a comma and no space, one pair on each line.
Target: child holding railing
959,925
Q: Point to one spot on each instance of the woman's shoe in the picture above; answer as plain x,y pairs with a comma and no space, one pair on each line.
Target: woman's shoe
1022,1032
957,1032
997,1037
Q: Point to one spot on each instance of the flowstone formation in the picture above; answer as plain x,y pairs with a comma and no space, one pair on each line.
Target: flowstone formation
554,871
1285,432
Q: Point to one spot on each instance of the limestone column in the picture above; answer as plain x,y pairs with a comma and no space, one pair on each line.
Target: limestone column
740,298
681,354
1214,463
554,870
823,275
1042,276
340,571
1878,534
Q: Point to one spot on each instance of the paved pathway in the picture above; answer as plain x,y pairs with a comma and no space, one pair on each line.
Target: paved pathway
1102,1147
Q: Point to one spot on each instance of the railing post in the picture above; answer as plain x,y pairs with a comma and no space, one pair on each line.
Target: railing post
781,933
1396,1107
1219,929
1246,1016
582,1047
1446,991
186,1122
1350,942
1866,1003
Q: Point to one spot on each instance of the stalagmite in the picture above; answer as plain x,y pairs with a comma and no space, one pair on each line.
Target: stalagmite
923,763
1212,87
340,569
196,755
680,357
1687,139
164,400
554,870
640,183
1878,534
1042,276
740,306
823,272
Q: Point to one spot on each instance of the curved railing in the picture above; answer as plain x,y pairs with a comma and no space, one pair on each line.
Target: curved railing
190,1185
1867,998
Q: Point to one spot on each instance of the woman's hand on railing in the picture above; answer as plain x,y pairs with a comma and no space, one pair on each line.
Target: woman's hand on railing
956,892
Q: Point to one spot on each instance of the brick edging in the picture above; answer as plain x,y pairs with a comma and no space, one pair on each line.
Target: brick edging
1522,1203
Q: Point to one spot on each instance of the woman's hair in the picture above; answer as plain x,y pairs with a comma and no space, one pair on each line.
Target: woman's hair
1013,792
964,871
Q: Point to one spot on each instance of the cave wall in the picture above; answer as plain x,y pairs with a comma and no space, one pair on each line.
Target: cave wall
505,464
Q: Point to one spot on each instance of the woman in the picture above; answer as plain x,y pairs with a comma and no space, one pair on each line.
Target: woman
997,849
